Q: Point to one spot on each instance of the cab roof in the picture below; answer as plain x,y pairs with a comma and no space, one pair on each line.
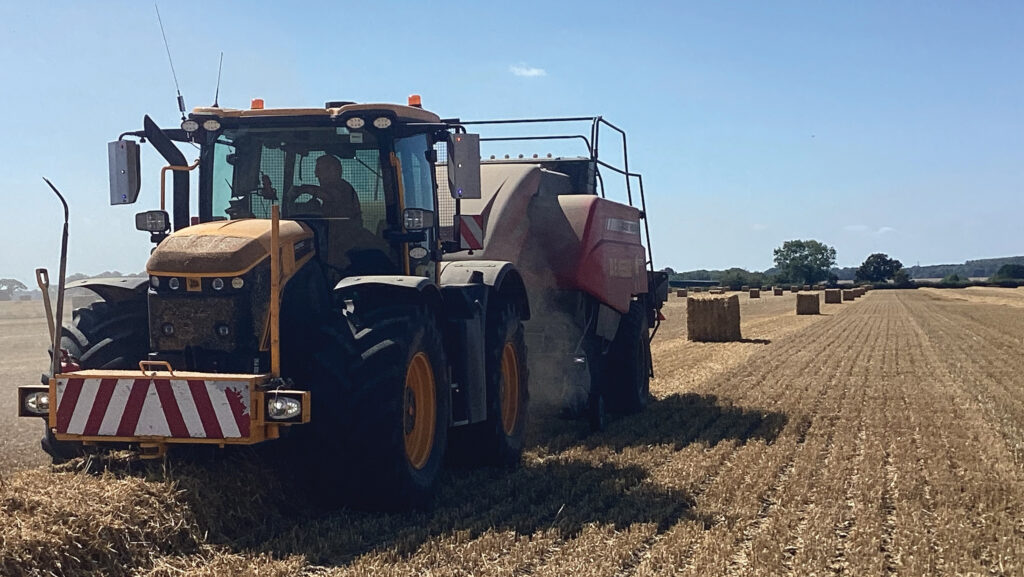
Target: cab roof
402,113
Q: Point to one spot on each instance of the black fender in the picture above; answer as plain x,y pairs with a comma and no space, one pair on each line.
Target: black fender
384,286
502,277
114,289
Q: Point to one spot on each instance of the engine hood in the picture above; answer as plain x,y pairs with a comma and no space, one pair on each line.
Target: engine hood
227,248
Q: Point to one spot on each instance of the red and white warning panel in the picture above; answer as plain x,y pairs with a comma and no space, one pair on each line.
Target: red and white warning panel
471,230
174,406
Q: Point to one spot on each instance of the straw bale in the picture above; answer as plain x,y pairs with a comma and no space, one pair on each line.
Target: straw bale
807,287
713,319
848,295
681,293
777,291
819,287
794,289
744,288
716,291
755,293
808,304
833,296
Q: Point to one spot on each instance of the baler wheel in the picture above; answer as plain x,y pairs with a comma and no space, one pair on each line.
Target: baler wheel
628,380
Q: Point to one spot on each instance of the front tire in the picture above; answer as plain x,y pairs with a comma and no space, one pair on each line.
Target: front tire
380,429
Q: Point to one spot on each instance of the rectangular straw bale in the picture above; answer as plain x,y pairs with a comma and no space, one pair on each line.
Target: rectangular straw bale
713,319
807,287
755,293
681,293
777,291
794,289
848,295
808,304
716,291
819,287
833,296
744,288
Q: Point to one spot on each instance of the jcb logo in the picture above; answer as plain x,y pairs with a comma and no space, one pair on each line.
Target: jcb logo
193,284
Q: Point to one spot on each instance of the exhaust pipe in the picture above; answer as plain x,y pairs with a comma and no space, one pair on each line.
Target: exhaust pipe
58,322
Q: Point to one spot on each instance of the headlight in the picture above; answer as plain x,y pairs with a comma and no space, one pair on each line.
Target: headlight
174,284
217,284
223,330
38,403
382,122
167,329
237,282
283,408
154,281
190,126
211,125
355,123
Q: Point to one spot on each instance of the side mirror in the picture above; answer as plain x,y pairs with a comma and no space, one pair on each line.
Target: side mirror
123,158
154,221
464,166
418,219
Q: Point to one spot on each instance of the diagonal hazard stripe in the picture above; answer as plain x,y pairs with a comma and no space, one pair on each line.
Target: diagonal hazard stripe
67,403
99,407
133,408
207,414
238,410
169,404
471,230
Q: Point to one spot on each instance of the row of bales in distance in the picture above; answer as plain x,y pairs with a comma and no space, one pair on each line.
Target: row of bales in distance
756,291
716,318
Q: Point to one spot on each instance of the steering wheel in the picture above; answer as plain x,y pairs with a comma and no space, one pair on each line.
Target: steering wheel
309,205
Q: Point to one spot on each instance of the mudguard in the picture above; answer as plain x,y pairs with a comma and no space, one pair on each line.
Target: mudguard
501,276
114,289
421,286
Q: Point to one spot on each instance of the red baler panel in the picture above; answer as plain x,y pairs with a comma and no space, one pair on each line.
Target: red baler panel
611,263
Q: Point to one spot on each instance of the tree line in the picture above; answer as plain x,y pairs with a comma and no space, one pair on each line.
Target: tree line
813,262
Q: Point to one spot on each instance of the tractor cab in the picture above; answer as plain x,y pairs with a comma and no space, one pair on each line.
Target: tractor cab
360,176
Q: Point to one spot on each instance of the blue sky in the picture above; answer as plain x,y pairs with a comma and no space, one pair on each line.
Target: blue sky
893,127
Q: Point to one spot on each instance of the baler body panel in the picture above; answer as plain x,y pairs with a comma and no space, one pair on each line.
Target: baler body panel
559,239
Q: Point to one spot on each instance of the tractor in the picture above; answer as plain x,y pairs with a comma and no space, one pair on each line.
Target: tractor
357,282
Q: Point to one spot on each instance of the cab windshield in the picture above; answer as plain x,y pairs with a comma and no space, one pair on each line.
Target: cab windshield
311,173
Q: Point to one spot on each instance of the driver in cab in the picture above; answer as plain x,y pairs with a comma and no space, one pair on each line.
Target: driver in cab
336,197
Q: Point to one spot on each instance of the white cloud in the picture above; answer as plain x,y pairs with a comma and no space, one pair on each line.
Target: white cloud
522,69
884,230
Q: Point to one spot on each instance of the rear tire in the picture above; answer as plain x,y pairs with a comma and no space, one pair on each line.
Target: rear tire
628,381
380,418
102,335
499,440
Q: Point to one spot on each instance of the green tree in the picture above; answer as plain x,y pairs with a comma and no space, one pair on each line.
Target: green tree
878,268
8,286
902,278
804,261
1010,271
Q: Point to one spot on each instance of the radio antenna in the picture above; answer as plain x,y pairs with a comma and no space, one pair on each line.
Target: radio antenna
181,99
216,95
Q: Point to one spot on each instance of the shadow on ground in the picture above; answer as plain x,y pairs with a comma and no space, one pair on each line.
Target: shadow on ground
243,502
678,420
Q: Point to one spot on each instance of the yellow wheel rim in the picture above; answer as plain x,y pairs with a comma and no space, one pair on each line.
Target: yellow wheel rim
509,392
419,412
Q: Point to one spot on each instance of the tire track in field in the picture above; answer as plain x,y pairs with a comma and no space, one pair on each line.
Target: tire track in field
804,361
989,379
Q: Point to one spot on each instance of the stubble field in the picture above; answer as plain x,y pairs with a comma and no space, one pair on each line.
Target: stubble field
883,437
